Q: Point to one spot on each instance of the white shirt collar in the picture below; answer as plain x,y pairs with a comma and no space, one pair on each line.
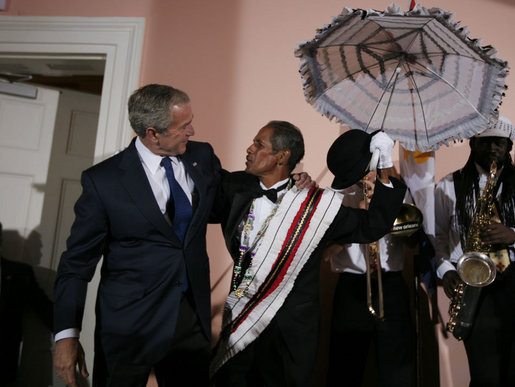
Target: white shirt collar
276,185
150,159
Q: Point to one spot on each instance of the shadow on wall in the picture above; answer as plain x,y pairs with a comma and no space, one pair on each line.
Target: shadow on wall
26,340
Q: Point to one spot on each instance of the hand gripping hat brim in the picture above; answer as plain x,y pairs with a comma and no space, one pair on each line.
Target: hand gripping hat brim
348,158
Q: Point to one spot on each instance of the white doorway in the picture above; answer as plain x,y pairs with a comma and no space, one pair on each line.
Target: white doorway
49,155
119,41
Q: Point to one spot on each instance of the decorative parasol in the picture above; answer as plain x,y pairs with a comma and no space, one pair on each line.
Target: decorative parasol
416,75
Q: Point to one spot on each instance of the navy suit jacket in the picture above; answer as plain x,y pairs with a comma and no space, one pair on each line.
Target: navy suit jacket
298,317
118,218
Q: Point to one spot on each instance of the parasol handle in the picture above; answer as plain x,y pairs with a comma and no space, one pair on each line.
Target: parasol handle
374,159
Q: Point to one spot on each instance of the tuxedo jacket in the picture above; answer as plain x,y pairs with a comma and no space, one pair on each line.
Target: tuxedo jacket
19,291
298,317
140,290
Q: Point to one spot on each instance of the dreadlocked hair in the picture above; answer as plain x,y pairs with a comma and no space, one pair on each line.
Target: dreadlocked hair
467,189
507,205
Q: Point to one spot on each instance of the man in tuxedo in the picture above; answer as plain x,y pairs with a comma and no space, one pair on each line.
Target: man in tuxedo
19,290
144,210
270,325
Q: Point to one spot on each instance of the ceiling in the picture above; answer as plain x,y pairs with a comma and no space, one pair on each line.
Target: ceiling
83,73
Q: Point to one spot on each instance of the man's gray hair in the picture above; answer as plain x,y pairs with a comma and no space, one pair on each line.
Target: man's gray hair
149,106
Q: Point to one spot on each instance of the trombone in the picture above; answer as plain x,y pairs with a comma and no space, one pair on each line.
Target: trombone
373,261
408,221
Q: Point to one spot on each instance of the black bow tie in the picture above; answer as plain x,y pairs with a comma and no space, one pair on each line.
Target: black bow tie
271,193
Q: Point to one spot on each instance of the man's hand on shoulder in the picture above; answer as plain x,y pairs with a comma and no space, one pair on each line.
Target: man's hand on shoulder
69,354
303,180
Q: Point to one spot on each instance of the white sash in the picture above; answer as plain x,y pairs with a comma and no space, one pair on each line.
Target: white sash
293,234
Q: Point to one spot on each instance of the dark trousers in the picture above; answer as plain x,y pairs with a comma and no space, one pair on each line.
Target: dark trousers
491,345
268,362
354,329
187,363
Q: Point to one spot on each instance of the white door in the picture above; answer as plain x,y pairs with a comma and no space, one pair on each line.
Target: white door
40,170
72,152
26,132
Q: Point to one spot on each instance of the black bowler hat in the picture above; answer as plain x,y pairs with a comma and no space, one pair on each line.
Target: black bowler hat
349,157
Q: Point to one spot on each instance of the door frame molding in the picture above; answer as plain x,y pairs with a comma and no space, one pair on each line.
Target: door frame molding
120,39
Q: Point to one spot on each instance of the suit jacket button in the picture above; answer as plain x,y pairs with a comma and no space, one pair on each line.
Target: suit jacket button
179,284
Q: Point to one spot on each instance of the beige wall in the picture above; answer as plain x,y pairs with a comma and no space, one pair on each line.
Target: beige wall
235,59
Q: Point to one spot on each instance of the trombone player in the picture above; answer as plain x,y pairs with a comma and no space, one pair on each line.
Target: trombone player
371,302
490,344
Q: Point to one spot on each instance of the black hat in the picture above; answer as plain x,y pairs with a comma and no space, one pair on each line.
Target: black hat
349,157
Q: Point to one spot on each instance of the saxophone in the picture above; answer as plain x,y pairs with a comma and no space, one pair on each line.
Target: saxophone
474,267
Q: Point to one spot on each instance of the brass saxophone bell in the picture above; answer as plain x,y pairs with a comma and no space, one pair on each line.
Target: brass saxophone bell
408,221
476,269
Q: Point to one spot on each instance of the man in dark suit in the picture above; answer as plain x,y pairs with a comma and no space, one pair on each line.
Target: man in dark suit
144,210
270,327
18,290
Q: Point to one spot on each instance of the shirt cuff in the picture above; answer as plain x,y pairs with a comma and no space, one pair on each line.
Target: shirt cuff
444,267
66,334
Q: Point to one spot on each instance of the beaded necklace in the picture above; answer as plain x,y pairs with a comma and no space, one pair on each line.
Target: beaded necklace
244,247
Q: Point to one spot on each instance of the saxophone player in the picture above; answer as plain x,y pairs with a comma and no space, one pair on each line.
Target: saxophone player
490,344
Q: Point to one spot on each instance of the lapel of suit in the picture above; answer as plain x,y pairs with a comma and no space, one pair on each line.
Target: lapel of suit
240,207
135,181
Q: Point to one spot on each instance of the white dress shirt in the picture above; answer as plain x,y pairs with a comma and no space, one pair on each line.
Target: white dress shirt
157,176
263,207
352,258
